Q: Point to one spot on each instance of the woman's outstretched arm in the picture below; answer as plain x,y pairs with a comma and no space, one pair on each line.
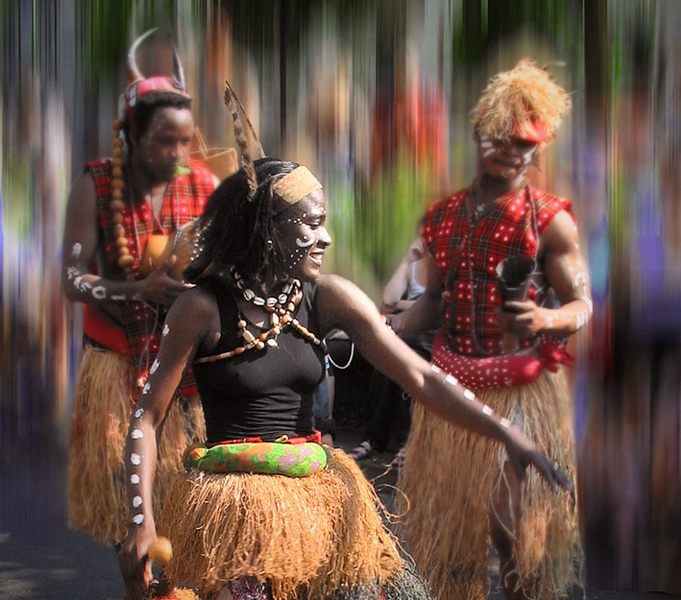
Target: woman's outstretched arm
343,305
185,328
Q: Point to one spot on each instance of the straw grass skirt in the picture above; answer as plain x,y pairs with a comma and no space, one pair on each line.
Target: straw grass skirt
308,537
105,395
450,477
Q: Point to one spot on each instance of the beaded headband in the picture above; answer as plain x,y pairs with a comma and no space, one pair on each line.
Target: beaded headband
297,184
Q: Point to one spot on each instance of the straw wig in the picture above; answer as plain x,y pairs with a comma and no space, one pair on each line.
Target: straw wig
525,102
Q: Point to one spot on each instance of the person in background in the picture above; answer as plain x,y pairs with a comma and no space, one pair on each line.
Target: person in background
390,409
461,489
121,216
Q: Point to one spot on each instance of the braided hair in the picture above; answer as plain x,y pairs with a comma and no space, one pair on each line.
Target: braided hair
238,229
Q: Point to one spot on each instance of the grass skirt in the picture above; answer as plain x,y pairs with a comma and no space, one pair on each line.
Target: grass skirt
105,393
450,477
308,537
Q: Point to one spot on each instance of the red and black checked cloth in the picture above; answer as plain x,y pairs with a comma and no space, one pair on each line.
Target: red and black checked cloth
468,266
185,199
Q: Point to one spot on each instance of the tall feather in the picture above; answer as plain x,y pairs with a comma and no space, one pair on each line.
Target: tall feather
248,121
241,140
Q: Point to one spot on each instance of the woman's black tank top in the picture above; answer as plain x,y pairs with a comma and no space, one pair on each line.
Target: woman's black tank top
260,393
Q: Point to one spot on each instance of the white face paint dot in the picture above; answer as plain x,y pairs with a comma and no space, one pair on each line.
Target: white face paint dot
137,501
138,413
135,459
166,330
154,366
136,434
134,479
146,388
138,519
76,250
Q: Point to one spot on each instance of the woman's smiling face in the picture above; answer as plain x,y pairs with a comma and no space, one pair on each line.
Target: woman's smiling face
304,238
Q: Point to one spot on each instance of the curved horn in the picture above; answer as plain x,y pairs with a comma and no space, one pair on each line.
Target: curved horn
178,71
134,73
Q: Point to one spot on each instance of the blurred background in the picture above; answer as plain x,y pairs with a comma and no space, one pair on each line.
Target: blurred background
374,96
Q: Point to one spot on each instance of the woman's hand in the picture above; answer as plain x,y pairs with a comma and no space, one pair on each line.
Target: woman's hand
522,452
134,563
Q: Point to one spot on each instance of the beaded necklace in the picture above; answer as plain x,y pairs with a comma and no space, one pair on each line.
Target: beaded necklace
116,206
280,309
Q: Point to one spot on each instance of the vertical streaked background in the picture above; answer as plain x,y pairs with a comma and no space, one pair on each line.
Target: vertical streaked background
374,96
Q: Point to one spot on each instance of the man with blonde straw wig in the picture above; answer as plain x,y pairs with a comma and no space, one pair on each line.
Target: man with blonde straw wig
507,277
121,214
263,510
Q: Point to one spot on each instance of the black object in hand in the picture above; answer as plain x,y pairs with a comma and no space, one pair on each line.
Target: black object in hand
513,275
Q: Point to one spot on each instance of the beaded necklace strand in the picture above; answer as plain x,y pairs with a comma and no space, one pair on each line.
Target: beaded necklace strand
280,310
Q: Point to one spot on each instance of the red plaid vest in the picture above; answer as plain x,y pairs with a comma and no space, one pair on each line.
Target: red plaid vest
467,258
185,199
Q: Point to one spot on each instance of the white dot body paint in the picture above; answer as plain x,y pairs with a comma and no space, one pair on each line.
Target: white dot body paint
504,422
136,434
76,249
451,380
137,501
138,519
135,459
154,366
527,156
72,272
304,242
99,292
488,152
487,410
119,297
138,413
134,479
166,330
146,388
485,143
468,395
435,369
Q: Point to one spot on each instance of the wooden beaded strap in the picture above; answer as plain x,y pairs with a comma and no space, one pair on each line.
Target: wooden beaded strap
116,206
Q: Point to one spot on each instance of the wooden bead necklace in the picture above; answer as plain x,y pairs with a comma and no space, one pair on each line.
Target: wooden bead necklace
280,310
116,206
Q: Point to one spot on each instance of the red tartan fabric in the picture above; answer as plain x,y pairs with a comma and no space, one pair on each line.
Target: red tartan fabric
467,256
185,199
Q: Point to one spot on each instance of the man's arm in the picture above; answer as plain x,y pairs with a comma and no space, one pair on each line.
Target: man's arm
426,312
81,243
568,275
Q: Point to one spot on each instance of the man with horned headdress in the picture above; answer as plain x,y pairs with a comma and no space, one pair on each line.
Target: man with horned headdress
508,278
118,260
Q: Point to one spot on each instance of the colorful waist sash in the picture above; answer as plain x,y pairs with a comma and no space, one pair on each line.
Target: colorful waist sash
268,458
